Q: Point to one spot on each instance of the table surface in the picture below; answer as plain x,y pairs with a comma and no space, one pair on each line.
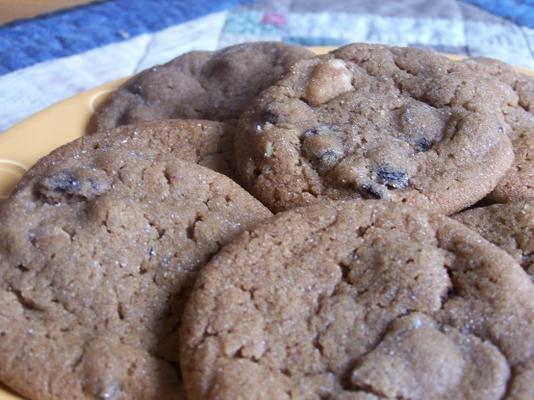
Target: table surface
11,10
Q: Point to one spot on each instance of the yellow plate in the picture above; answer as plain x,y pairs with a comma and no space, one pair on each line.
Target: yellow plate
23,144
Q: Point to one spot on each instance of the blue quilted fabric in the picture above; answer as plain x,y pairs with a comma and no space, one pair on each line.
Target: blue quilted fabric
61,34
520,12
49,58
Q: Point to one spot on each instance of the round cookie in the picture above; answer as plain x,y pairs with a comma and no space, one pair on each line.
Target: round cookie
358,300
518,109
98,251
370,121
509,226
200,84
208,143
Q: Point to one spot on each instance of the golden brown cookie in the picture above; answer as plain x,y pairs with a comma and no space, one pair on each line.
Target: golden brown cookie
509,226
98,249
518,109
371,121
200,84
208,143
359,299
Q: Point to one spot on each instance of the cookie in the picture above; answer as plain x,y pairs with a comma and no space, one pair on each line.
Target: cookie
509,226
518,109
200,84
377,122
208,143
98,250
359,300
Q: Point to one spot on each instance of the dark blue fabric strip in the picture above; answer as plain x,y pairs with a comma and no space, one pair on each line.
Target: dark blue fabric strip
519,11
79,29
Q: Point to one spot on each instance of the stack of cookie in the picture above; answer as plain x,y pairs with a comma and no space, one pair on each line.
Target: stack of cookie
143,261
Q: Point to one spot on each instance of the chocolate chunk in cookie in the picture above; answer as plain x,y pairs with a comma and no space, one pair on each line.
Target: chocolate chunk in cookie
401,124
71,184
208,143
100,243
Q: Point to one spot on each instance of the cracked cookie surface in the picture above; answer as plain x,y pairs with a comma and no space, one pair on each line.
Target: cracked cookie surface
359,300
200,84
509,226
377,122
518,110
98,250
207,143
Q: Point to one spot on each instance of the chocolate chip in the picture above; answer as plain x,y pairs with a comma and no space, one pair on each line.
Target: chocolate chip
136,89
270,116
391,177
372,191
310,132
63,182
69,185
422,144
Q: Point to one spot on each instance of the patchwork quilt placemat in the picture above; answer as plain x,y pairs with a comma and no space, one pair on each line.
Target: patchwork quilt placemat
49,58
